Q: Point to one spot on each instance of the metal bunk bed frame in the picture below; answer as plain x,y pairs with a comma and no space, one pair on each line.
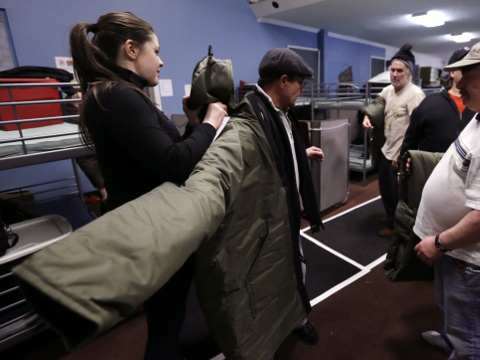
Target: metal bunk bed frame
18,321
27,158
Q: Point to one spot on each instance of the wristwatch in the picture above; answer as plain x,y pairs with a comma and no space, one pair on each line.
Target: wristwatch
439,245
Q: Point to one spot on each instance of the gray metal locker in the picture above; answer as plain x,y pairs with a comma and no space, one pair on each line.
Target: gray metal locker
331,177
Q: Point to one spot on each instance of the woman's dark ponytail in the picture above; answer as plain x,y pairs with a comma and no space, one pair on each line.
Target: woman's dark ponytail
95,47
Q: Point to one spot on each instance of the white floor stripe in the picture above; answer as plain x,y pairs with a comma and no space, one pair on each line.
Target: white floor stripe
377,262
219,357
334,252
364,270
329,249
346,212
338,287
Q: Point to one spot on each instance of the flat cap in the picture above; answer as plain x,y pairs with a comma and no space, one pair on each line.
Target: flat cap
280,61
472,58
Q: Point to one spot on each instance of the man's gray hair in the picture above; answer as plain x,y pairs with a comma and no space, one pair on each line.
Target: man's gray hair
408,64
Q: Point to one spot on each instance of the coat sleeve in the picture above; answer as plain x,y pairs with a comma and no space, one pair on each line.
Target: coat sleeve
413,133
154,143
85,284
423,163
402,263
376,112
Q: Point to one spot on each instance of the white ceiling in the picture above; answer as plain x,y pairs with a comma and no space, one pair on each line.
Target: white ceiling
378,21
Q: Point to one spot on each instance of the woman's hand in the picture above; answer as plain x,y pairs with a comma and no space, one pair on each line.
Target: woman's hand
192,115
215,114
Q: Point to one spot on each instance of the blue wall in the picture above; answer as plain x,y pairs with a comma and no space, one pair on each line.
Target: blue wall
40,31
185,28
339,54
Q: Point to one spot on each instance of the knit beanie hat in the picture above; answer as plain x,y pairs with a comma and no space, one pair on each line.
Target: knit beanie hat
405,55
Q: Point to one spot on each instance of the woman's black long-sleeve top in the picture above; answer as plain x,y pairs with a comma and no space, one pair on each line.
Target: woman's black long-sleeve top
138,147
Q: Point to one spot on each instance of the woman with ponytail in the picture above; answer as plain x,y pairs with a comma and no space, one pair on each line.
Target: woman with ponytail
138,147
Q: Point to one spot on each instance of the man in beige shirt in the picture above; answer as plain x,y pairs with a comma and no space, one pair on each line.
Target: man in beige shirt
401,98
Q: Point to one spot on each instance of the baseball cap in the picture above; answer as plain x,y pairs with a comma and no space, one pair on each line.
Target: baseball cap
279,61
458,55
472,58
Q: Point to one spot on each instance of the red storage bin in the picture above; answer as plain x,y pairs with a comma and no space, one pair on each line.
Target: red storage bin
30,111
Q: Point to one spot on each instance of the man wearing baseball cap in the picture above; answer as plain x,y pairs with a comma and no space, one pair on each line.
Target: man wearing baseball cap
448,222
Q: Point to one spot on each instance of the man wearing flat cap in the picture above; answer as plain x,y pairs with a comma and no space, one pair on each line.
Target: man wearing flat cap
282,79
448,222
400,98
440,117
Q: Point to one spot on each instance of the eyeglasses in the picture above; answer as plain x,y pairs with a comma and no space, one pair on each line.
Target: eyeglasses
299,80
302,82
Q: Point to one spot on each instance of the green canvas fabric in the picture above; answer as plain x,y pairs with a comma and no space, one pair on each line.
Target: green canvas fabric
232,211
212,81
402,263
376,112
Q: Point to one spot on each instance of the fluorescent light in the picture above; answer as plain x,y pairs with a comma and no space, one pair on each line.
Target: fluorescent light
461,38
428,19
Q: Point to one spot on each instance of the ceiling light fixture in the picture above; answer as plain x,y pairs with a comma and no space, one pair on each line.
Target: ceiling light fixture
428,19
461,38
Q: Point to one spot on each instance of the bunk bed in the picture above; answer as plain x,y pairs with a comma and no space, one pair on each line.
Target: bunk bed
57,139
320,96
34,131
39,138
344,100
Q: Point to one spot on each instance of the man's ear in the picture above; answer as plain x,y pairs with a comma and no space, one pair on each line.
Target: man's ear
130,49
283,80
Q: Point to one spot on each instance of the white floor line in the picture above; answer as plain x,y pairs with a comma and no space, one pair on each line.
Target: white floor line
363,269
353,208
377,262
350,280
219,357
333,290
346,212
334,252
339,286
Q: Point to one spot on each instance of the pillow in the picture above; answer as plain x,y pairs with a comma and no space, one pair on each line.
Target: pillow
30,111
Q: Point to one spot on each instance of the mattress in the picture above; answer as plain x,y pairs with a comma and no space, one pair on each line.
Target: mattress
329,103
40,139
